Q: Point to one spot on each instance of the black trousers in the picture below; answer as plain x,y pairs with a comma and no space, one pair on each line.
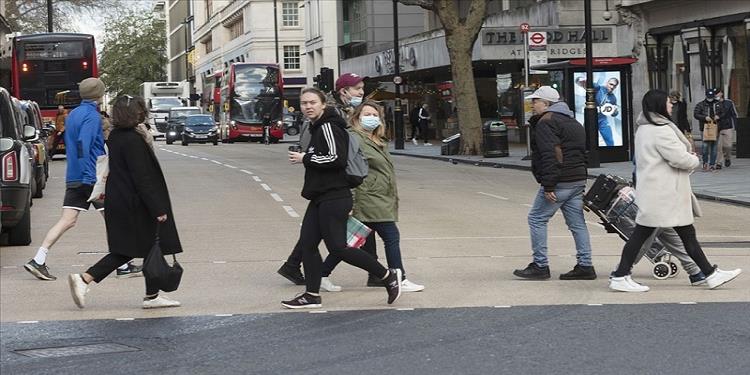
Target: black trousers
326,221
424,127
641,234
111,262
414,129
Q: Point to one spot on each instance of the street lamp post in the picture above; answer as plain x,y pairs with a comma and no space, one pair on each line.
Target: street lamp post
590,115
398,120
49,16
188,48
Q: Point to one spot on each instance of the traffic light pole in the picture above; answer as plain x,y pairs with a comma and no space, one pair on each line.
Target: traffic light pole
398,120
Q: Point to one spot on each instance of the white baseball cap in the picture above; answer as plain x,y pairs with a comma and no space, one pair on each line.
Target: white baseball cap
545,93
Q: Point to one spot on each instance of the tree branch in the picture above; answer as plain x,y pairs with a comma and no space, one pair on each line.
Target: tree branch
448,14
425,4
477,14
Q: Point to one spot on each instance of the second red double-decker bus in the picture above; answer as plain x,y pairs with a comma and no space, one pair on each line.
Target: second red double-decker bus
252,102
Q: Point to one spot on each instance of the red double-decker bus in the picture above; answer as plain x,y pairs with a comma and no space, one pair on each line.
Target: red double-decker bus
251,100
46,68
211,97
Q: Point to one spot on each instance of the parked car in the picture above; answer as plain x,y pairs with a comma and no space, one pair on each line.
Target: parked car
17,171
39,146
176,122
200,129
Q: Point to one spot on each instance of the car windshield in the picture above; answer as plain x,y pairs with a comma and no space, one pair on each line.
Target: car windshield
196,120
183,113
161,104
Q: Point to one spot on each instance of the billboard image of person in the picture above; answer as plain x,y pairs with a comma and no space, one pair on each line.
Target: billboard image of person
607,97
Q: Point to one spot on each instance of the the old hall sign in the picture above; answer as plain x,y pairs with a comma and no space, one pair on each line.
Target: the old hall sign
563,35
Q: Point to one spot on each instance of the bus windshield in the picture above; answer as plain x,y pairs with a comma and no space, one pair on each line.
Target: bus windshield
164,104
256,95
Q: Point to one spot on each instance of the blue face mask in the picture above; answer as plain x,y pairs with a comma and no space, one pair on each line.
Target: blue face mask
355,101
369,123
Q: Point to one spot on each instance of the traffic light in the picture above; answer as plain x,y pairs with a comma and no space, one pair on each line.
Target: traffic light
325,82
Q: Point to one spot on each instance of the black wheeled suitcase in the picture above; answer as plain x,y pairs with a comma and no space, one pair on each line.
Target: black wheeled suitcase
602,191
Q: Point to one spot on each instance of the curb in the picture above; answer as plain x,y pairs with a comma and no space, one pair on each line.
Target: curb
483,163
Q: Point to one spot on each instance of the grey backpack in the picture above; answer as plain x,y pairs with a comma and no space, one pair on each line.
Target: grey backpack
356,164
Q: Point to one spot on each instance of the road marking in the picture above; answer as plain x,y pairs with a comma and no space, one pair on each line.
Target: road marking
206,159
216,162
276,197
318,312
526,205
230,166
77,265
223,315
10,267
493,196
257,179
502,306
497,256
688,303
193,157
124,319
594,304
405,309
28,322
265,187
246,171
289,210
219,262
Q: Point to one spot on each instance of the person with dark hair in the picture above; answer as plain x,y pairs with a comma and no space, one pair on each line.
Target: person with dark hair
414,121
327,189
727,124
663,195
679,113
708,110
424,124
138,208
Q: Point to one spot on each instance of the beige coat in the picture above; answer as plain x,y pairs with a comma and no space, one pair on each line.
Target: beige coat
664,161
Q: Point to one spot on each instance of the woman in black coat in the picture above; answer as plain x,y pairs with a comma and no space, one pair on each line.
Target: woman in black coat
136,204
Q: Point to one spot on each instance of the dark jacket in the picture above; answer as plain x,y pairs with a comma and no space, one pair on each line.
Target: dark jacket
707,109
729,118
558,145
325,158
136,193
679,117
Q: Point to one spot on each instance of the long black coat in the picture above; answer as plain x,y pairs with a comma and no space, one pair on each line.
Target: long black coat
136,193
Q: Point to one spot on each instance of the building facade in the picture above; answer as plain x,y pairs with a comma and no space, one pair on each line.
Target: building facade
178,14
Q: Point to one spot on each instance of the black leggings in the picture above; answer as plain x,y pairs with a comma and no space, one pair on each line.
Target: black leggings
326,220
111,262
641,234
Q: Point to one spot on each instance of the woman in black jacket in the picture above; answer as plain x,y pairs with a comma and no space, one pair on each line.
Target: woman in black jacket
679,113
327,189
136,204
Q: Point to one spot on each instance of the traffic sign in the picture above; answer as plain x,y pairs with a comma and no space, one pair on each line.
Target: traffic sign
524,28
537,39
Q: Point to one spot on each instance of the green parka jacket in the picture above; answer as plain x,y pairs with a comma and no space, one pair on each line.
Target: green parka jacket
376,199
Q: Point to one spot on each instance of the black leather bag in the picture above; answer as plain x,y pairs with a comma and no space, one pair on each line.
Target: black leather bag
158,272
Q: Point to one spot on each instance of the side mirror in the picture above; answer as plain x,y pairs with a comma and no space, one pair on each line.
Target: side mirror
5,144
29,132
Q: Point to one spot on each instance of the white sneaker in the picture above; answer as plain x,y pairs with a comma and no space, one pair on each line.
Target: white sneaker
721,277
408,286
626,284
414,140
78,289
428,144
159,302
327,285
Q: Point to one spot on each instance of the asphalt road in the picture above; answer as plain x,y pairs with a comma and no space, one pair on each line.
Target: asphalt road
463,231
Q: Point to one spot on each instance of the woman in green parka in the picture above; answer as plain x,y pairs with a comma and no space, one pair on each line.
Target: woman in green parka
376,199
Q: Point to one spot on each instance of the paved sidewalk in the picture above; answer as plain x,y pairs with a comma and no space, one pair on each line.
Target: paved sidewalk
730,185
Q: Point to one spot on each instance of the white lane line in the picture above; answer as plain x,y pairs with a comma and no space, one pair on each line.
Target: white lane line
230,166
28,322
493,196
219,262
216,162
246,171
265,187
193,157
224,315
405,309
276,197
594,304
318,312
526,205
124,319
11,267
77,265
502,306
688,303
257,179
206,159
290,211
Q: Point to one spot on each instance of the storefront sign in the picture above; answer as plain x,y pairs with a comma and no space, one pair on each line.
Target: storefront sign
384,60
511,36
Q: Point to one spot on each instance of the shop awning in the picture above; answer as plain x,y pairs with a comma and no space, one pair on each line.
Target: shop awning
387,95
598,62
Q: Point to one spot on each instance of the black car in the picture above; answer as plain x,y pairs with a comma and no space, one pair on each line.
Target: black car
33,116
200,129
17,171
176,122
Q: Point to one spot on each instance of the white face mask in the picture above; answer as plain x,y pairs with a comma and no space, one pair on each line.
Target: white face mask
369,123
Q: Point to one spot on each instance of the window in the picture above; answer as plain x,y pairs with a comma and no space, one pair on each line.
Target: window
291,58
290,14
209,9
236,29
209,45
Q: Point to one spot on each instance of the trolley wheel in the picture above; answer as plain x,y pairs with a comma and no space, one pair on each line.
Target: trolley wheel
674,270
661,270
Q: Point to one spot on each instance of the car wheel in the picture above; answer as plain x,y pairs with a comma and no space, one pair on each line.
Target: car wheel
184,142
169,141
292,131
215,142
39,193
20,235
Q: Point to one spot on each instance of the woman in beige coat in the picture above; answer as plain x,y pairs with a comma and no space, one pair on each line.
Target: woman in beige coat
664,161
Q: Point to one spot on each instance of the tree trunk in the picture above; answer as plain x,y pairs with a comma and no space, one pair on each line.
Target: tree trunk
464,92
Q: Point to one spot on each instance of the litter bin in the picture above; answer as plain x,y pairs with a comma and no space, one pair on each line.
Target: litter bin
451,145
495,139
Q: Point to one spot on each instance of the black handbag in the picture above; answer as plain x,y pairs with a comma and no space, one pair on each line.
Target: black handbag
158,272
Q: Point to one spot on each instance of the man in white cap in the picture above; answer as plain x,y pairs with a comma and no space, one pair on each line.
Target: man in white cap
84,143
558,144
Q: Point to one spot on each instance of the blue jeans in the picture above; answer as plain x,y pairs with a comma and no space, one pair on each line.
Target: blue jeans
570,201
605,131
709,153
388,231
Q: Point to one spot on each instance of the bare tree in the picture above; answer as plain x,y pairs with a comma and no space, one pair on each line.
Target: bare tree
30,16
461,31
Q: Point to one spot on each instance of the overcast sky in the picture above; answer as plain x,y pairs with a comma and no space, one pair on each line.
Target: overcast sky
93,22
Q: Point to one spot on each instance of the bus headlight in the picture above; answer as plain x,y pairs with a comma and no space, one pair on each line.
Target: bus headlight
233,124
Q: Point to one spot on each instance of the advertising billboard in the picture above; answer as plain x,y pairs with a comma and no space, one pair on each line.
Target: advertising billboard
608,102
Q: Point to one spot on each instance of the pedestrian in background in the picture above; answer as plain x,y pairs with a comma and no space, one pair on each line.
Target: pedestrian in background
727,124
708,110
558,144
376,199
137,204
424,124
60,117
679,112
85,143
414,121
327,189
664,196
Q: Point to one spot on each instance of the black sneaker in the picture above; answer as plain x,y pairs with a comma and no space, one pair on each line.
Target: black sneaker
292,273
131,271
533,272
303,301
374,281
392,284
39,270
727,163
580,272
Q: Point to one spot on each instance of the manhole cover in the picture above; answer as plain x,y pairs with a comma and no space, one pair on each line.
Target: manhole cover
68,351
